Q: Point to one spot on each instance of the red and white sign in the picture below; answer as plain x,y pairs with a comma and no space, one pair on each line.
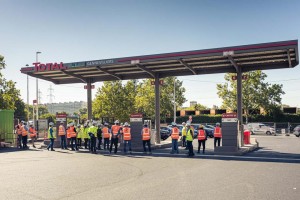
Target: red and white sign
61,115
34,101
92,87
40,67
229,115
136,115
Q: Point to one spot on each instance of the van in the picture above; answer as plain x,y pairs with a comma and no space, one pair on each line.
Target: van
259,128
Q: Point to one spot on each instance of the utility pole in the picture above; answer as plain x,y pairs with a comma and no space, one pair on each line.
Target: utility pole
174,100
40,97
51,96
27,96
37,89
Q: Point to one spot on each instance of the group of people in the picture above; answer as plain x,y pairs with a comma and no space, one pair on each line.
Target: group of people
92,134
188,137
22,130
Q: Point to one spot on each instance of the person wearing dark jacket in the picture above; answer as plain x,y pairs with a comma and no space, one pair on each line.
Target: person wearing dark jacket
99,136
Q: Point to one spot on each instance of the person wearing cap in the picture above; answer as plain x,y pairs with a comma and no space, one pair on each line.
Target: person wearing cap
62,135
183,135
202,137
86,136
51,136
115,132
99,136
79,136
127,137
92,131
32,134
175,137
25,130
68,136
73,134
106,136
19,129
217,134
189,139
146,136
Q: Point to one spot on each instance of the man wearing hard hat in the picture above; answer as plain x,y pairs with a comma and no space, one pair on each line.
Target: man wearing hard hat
115,132
51,136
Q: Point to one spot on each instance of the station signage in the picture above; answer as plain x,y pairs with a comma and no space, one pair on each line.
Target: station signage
100,62
41,67
229,117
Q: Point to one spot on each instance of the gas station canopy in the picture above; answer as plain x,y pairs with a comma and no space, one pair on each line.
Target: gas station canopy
263,56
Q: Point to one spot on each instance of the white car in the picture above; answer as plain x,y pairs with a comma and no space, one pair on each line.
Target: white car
259,128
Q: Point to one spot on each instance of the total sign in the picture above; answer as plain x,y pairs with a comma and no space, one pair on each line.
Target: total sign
40,67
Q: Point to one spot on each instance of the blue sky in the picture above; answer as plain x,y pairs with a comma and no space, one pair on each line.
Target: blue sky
81,30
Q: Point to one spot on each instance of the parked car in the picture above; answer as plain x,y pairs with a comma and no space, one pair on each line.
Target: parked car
296,131
165,132
259,128
210,126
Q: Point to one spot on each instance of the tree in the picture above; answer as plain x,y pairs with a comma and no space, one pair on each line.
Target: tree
199,106
256,93
145,99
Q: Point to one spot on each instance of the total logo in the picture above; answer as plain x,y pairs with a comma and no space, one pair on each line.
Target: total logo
40,67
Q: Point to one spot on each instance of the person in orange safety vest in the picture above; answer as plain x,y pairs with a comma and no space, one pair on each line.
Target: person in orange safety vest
62,134
217,134
19,128
32,134
25,135
127,137
146,136
115,132
175,137
202,137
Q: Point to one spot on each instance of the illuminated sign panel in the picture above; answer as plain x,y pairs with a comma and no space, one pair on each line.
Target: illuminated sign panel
40,67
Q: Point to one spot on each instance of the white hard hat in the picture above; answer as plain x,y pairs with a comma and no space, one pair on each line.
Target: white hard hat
51,124
183,123
78,125
105,124
188,124
217,124
173,124
126,124
117,122
94,123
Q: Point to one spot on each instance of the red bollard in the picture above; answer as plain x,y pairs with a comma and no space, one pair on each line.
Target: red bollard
247,137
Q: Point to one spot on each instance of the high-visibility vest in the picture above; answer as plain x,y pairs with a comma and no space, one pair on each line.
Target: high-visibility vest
24,132
146,134
115,129
72,131
218,132
19,130
32,132
85,133
201,134
80,132
68,133
105,132
126,133
61,130
184,131
49,135
175,133
189,135
93,129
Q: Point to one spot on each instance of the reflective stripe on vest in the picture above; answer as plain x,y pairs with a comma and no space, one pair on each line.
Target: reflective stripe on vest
126,133
175,133
105,132
72,132
201,135
115,129
146,134
32,132
24,132
68,133
218,132
61,130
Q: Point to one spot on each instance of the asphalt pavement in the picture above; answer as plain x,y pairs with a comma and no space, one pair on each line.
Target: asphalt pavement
271,172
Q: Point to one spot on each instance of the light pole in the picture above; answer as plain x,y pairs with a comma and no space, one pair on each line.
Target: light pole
174,100
37,91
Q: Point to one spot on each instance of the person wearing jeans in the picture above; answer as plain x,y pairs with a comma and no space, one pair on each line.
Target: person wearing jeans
51,136
189,139
127,137
175,137
146,138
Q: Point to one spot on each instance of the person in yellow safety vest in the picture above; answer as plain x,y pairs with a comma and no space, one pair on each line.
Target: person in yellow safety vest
19,129
86,136
73,134
175,137
106,135
217,134
202,137
92,131
115,132
183,135
62,135
51,136
79,136
127,137
25,135
189,139
32,134
146,136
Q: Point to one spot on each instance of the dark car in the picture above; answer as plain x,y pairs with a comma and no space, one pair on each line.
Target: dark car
210,126
165,132
296,131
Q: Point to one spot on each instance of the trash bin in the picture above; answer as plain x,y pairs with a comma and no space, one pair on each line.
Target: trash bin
246,137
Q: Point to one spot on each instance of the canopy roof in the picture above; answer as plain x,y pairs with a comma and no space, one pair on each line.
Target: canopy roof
263,56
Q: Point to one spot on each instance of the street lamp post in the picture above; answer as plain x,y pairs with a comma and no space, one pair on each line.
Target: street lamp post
174,100
27,96
37,91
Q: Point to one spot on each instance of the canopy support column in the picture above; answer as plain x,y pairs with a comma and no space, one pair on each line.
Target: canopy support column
89,98
157,108
240,103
